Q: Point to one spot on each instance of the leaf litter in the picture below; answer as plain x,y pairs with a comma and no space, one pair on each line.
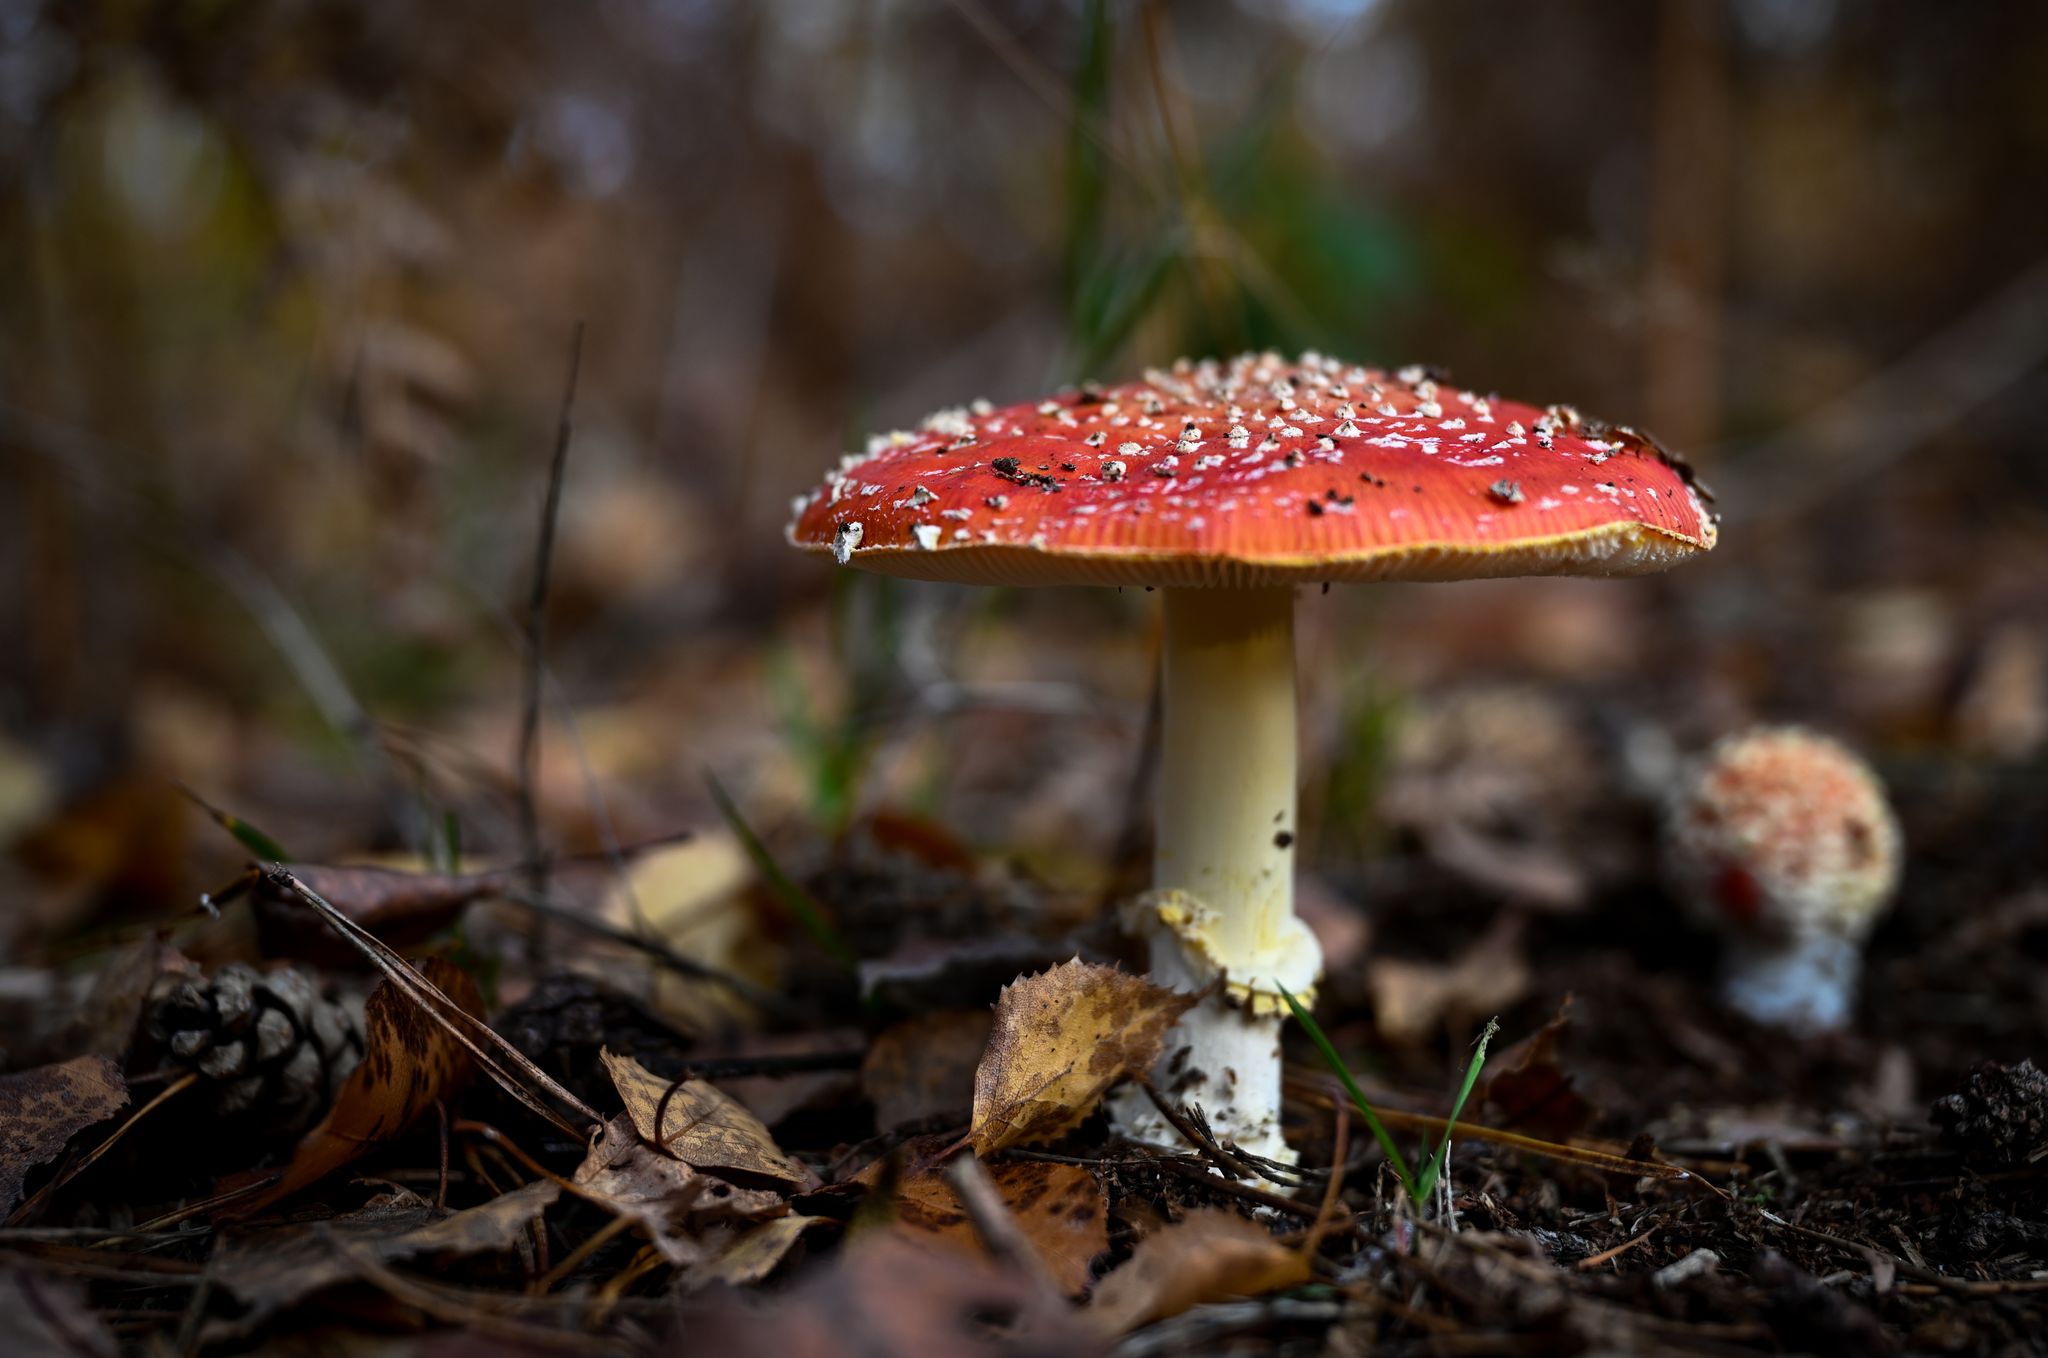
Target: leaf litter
410,1063
840,1222
42,1109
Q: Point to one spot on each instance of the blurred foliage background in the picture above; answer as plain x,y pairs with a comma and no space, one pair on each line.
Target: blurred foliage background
287,292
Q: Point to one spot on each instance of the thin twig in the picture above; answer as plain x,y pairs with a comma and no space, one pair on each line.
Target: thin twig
753,993
1949,373
450,1306
1333,1192
536,623
34,1205
1593,1261
1195,1171
1195,1134
452,1017
992,1221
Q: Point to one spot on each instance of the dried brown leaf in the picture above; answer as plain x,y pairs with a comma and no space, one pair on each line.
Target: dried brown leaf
674,1203
402,908
410,1060
42,1109
924,1067
1212,1255
1061,1039
701,1126
744,1257
890,1292
271,1269
1410,999
1529,1089
1061,1210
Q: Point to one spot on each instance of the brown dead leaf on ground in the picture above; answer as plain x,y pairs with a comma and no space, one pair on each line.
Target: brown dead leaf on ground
403,908
674,1203
409,1061
269,1270
701,1125
1411,998
1061,1039
42,1109
1211,1255
1530,1092
924,1067
1061,1210
890,1292
742,1256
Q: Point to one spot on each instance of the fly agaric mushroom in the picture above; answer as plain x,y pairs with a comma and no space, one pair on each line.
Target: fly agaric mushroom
1781,840
1228,484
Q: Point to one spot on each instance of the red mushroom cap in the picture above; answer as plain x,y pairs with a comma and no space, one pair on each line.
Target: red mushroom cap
1258,472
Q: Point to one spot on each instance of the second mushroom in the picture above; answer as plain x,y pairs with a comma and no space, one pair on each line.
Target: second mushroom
1229,484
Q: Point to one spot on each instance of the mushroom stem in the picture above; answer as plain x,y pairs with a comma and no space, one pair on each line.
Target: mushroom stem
1222,907
1806,984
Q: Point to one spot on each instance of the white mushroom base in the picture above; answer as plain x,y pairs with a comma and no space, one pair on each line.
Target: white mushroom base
1224,1055
1806,985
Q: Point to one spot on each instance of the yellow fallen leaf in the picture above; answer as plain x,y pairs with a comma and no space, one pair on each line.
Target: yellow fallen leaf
409,1061
702,1126
1061,1039
1211,1255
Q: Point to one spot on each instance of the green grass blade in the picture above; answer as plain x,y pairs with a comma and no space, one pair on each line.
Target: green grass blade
1372,1119
265,848
793,897
1440,1160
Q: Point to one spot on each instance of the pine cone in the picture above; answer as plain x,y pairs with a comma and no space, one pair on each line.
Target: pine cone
1998,1119
568,1019
273,1047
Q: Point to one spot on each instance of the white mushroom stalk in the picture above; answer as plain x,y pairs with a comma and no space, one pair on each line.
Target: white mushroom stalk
1222,908
1806,984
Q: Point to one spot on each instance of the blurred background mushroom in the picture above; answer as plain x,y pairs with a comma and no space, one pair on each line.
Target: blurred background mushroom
1781,841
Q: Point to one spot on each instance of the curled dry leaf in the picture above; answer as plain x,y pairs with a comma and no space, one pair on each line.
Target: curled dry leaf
271,1269
41,1109
702,1126
1060,1209
410,1060
1210,1256
674,1203
1061,1039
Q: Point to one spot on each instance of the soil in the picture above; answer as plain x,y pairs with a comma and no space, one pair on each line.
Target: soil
1879,1190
